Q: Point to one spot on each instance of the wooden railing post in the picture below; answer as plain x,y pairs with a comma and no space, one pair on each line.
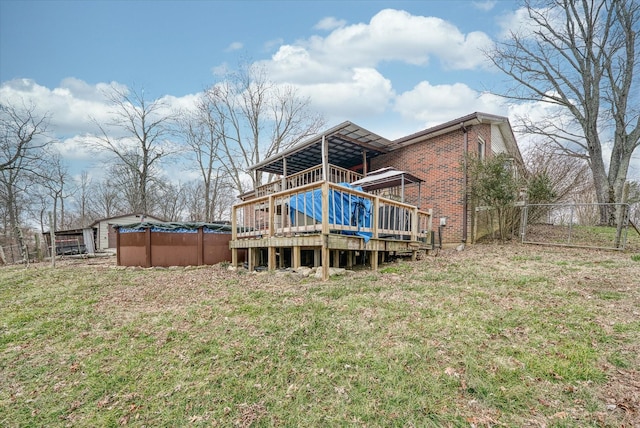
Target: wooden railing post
325,207
272,217
234,223
414,231
374,216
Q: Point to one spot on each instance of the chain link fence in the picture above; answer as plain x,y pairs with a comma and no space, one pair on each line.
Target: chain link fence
578,225
11,252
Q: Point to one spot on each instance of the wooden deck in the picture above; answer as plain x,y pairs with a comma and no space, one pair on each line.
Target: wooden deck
319,224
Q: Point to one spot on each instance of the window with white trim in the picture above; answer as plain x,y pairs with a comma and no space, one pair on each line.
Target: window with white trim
481,148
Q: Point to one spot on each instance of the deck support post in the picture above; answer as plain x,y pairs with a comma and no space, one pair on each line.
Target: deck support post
364,162
251,259
295,255
317,260
234,257
325,159
325,258
271,258
336,258
325,229
349,259
374,260
283,182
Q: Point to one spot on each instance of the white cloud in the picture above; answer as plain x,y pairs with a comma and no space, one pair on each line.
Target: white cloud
390,36
221,69
520,22
296,65
484,5
270,45
396,35
235,46
75,149
72,107
330,23
540,112
435,104
366,93
339,72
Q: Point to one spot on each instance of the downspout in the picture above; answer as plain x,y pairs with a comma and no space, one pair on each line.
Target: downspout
465,201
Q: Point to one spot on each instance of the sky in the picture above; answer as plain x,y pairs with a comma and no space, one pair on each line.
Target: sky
392,67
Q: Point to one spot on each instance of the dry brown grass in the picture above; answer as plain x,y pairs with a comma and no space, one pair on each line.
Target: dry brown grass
495,335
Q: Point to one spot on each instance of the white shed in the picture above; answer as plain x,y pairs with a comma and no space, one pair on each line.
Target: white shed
106,235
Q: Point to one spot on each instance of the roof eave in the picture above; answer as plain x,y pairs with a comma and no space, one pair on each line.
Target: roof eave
461,122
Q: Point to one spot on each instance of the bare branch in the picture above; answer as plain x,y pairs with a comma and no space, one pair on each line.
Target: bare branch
582,57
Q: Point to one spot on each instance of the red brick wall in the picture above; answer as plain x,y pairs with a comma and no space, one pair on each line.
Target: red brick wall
438,161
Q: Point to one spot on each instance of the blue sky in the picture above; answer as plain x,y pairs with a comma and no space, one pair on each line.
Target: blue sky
393,67
171,47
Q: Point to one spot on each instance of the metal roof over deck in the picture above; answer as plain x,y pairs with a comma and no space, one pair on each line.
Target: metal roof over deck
346,141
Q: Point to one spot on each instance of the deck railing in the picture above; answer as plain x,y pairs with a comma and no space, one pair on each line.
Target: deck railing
310,175
325,207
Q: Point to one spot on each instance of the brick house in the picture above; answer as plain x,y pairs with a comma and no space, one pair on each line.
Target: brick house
436,155
310,213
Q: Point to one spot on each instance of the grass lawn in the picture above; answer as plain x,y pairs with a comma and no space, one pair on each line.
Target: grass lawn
496,335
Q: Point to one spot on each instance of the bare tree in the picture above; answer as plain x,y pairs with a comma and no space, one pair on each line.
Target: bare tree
171,201
84,187
194,200
22,138
254,119
200,130
20,128
581,56
56,180
105,200
142,145
568,175
221,200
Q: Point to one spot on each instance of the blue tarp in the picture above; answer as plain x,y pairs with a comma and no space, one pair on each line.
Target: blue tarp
345,209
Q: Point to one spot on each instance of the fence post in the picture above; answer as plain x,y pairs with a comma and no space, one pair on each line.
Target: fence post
523,222
234,236
52,235
622,214
570,223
